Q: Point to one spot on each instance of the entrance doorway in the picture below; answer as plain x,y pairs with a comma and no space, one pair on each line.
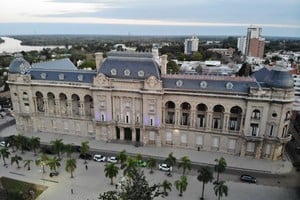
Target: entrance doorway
117,133
128,134
137,135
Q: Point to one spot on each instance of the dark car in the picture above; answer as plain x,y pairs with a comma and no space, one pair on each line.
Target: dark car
248,178
53,174
86,157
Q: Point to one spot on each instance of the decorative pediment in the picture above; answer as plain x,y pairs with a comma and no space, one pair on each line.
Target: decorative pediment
101,80
153,83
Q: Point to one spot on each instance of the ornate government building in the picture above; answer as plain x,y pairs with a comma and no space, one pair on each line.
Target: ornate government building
131,98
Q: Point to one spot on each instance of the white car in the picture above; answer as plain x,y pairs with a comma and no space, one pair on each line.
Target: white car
164,167
3,144
99,158
112,159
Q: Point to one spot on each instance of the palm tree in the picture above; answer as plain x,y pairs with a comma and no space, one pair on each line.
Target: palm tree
122,157
181,185
16,159
71,166
151,164
68,148
185,164
171,161
84,150
130,167
111,171
221,189
27,163
220,167
12,142
53,163
22,142
34,144
205,176
4,153
43,161
166,185
57,146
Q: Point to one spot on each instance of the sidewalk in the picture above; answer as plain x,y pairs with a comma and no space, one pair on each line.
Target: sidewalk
200,157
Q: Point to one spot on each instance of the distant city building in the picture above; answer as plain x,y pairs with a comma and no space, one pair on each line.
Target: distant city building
191,45
255,43
225,52
241,44
296,76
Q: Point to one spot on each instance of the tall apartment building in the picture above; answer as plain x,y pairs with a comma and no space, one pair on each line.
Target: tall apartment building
241,44
191,45
130,98
255,43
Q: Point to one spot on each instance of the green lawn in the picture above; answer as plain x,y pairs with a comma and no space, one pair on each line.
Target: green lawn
19,190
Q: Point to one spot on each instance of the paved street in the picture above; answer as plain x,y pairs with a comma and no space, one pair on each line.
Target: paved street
87,184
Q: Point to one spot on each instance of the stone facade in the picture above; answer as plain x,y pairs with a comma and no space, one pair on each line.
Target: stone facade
149,112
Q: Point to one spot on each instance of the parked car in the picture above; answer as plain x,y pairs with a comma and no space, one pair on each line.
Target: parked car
248,178
47,150
87,156
112,159
3,144
164,167
99,158
141,163
53,174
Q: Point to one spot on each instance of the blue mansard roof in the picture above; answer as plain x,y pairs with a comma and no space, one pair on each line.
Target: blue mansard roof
209,83
61,64
130,65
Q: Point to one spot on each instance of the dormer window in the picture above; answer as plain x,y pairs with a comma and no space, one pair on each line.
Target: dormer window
229,85
61,76
255,114
141,73
203,84
179,83
80,77
113,72
43,75
126,72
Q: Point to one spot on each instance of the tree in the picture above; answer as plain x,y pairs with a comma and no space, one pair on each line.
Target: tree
151,164
84,150
185,164
111,171
171,161
197,56
130,167
221,189
172,67
34,143
53,163
245,70
71,166
22,142
181,185
220,167
205,176
122,157
57,146
27,163
12,142
42,161
135,187
68,148
4,153
166,185
16,159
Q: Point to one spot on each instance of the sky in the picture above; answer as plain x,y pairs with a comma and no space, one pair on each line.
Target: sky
150,17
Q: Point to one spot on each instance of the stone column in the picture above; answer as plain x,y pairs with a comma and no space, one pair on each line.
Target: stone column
258,150
243,149
177,117
225,122
46,106
81,111
69,108
133,135
208,121
193,119
57,106
121,133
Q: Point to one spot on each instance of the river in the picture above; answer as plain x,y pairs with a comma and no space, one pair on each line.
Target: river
11,45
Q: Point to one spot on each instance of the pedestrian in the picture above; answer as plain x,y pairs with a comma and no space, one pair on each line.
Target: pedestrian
72,192
86,167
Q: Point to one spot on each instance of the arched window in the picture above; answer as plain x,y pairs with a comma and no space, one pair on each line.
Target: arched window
185,109
39,102
88,105
235,118
218,114
255,114
51,103
63,104
201,115
75,104
170,112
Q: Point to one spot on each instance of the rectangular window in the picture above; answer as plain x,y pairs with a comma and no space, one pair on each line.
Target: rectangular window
170,118
271,133
200,120
183,138
215,142
169,137
216,123
199,140
231,144
232,124
254,129
268,149
66,126
152,135
250,147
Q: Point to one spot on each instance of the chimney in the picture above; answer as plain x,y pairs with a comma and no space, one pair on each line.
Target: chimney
99,60
163,64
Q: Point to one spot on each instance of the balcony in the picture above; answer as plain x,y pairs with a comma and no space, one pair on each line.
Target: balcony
249,138
285,139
